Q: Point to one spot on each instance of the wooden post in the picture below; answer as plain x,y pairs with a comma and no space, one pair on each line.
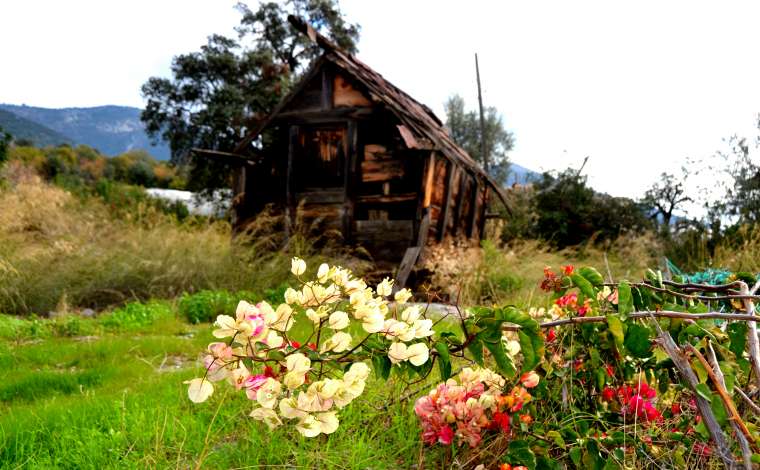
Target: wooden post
349,178
443,220
483,152
483,208
472,223
327,89
463,177
289,196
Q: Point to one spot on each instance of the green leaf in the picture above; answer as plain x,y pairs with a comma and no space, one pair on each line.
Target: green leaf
718,409
502,360
699,369
637,340
476,349
616,328
382,366
591,275
276,355
737,334
556,437
575,456
584,285
519,453
704,392
625,300
444,360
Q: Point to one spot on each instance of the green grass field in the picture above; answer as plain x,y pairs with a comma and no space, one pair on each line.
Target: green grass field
115,399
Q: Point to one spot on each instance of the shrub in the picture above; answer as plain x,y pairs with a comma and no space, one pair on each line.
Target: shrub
206,305
136,315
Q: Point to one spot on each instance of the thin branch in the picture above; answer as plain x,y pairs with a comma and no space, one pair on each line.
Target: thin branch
727,401
753,343
705,409
646,314
738,431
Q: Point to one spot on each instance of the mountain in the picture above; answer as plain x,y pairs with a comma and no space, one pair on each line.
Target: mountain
110,129
21,128
521,175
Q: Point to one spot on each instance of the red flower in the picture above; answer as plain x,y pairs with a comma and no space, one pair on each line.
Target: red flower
312,346
608,394
702,449
675,408
269,372
445,435
295,344
500,421
610,370
570,299
551,335
568,270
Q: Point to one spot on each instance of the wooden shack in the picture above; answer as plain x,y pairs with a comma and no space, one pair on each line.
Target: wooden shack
349,148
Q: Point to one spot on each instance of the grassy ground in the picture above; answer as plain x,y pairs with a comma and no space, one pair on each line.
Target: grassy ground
115,399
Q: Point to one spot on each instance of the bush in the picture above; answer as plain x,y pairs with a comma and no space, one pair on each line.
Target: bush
204,306
136,315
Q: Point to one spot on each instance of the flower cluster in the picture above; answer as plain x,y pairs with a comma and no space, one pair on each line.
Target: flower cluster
308,384
634,401
465,409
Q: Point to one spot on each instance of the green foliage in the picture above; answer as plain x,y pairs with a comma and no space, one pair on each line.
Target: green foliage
5,140
465,129
213,94
570,212
206,305
136,315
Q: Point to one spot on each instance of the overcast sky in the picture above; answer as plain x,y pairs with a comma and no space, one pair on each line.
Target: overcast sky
636,86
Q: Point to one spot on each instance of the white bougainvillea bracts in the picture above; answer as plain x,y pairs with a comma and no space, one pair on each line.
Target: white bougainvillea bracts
307,384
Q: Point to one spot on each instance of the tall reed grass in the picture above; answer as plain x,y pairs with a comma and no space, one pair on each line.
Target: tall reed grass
60,250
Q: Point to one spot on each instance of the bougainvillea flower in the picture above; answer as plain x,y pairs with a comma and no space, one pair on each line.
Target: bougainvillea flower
267,415
297,266
530,379
551,335
568,269
199,390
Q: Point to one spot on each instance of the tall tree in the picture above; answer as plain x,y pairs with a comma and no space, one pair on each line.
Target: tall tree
219,93
665,197
743,195
5,140
464,128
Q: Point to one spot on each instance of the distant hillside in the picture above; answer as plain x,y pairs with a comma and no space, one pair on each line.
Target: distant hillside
110,129
21,128
520,174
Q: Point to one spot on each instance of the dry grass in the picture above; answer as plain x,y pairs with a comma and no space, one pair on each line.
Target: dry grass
512,273
54,247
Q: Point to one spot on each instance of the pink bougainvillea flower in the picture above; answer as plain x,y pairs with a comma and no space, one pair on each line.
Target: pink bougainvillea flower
530,379
445,435
568,300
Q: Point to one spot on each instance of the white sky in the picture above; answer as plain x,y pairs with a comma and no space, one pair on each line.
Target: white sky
637,86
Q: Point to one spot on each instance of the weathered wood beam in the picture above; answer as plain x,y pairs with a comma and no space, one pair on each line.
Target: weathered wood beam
327,89
387,198
318,116
463,177
289,196
472,222
483,208
451,169
349,178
